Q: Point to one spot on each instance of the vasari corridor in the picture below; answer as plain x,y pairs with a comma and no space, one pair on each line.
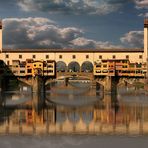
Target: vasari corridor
72,91
65,82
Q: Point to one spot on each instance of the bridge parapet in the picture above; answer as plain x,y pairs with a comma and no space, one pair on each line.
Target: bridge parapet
73,74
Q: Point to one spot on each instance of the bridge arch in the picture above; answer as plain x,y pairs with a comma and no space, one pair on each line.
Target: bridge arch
87,66
74,66
61,66
87,116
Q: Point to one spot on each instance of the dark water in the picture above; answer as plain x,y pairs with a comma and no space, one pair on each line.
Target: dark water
78,101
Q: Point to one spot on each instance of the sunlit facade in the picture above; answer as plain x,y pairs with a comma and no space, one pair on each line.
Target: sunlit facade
16,58
122,67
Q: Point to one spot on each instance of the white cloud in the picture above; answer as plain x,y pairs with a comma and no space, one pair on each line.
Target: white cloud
143,14
99,7
133,39
82,42
141,4
37,33
45,33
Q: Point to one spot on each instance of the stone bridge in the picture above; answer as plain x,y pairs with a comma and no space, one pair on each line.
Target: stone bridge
109,83
84,75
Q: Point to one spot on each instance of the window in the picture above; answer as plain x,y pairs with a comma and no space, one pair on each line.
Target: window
100,56
8,63
140,56
74,56
47,56
60,56
50,66
29,60
50,71
20,56
29,70
111,71
98,71
132,65
7,55
33,56
22,71
105,71
87,56
111,66
104,61
114,56
139,65
34,65
22,66
40,65
127,56
98,65
124,61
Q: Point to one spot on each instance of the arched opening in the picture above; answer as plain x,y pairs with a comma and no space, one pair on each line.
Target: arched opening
87,117
74,67
73,116
61,66
87,67
60,117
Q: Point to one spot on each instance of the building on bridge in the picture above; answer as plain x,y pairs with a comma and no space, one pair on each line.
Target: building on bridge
122,67
31,67
73,60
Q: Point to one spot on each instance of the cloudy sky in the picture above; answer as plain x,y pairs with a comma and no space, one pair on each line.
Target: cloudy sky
73,23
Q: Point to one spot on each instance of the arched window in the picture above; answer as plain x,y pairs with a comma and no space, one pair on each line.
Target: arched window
61,66
87,67
74,67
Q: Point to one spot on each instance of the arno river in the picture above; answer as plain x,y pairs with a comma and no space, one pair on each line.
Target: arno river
76,115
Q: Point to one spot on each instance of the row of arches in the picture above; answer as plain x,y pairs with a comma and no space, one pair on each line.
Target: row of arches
74,66
75,117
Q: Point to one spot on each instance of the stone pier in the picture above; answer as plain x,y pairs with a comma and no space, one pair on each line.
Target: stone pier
38,92
146,80
110,84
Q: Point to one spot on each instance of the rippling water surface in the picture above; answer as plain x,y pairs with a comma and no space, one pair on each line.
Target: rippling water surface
73,141
73,110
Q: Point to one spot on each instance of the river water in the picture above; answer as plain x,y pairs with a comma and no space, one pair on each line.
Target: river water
62,141
77,115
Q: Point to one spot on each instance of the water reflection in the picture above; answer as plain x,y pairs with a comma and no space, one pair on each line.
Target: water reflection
77,107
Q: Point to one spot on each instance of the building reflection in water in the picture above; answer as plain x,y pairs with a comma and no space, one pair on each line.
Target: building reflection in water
74,108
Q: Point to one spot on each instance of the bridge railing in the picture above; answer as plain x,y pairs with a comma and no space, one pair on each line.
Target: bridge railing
79,74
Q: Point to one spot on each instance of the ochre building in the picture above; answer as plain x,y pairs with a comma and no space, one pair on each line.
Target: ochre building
65,59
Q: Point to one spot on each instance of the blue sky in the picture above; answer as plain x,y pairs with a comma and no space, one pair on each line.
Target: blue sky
73,23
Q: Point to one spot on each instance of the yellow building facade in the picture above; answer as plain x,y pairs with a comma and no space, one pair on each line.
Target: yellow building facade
122,67
70,55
